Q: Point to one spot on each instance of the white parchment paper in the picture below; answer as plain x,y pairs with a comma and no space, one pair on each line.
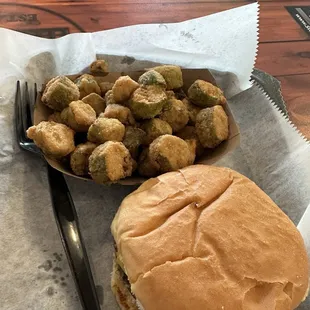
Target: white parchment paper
34,271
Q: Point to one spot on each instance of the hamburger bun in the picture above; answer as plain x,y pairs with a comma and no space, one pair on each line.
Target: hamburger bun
206,237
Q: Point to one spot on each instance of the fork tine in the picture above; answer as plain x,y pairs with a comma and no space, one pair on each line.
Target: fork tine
20,133
18,100
26,114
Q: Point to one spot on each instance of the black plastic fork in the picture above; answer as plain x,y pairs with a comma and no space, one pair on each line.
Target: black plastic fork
63,206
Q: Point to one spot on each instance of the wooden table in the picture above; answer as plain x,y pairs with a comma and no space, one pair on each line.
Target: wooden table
284,49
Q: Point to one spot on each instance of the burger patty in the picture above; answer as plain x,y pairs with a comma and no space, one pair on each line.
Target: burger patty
121,286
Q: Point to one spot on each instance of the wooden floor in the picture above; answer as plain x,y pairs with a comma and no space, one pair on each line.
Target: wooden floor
284,49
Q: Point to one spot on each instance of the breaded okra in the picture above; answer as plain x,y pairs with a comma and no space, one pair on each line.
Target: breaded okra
59,92
55,140
78,116
123,87
87,85
154,128
172,75
79,158
119,112
152,77
133,139
106,129
212,126
147,102
205,94
169,153
96,102
175,114
110,162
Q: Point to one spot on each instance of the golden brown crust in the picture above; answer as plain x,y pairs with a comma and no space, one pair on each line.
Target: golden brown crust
79,158
212,126
54,139
78,116
226,245
110,162
96,102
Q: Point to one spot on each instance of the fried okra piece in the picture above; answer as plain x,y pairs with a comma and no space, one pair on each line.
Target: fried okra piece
99,66
169,153
188,133
170,94
212,126
79,116
152,77
96,102
175,114
192,150
192,110
119,112
146,167
59,92
110,162
55,117
123,87
106,129
109,98
55,140
105,87
172,75
147,102
133,139
87,85
154,128
79,158
205,94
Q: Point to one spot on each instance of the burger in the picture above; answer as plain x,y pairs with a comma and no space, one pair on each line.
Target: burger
206,238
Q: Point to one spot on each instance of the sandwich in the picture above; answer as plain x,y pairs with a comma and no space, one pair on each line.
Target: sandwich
206,238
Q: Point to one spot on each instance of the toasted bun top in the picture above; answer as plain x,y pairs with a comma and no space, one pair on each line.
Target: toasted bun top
208,238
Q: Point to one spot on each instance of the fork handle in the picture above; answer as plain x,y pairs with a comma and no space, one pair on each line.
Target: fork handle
68,227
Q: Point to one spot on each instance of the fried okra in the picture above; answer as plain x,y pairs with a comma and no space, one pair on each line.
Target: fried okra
59,92
133,139
55,140
152,77
175,114
188,133
87,85
172,75
170,94
109,98
99,66
55,117
192,109
146,167
79,116
147,102
123,87
169,153
154,128
205,94
119,112
192,145
212,126
110,162
79,158
96,102
106,129
105,87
